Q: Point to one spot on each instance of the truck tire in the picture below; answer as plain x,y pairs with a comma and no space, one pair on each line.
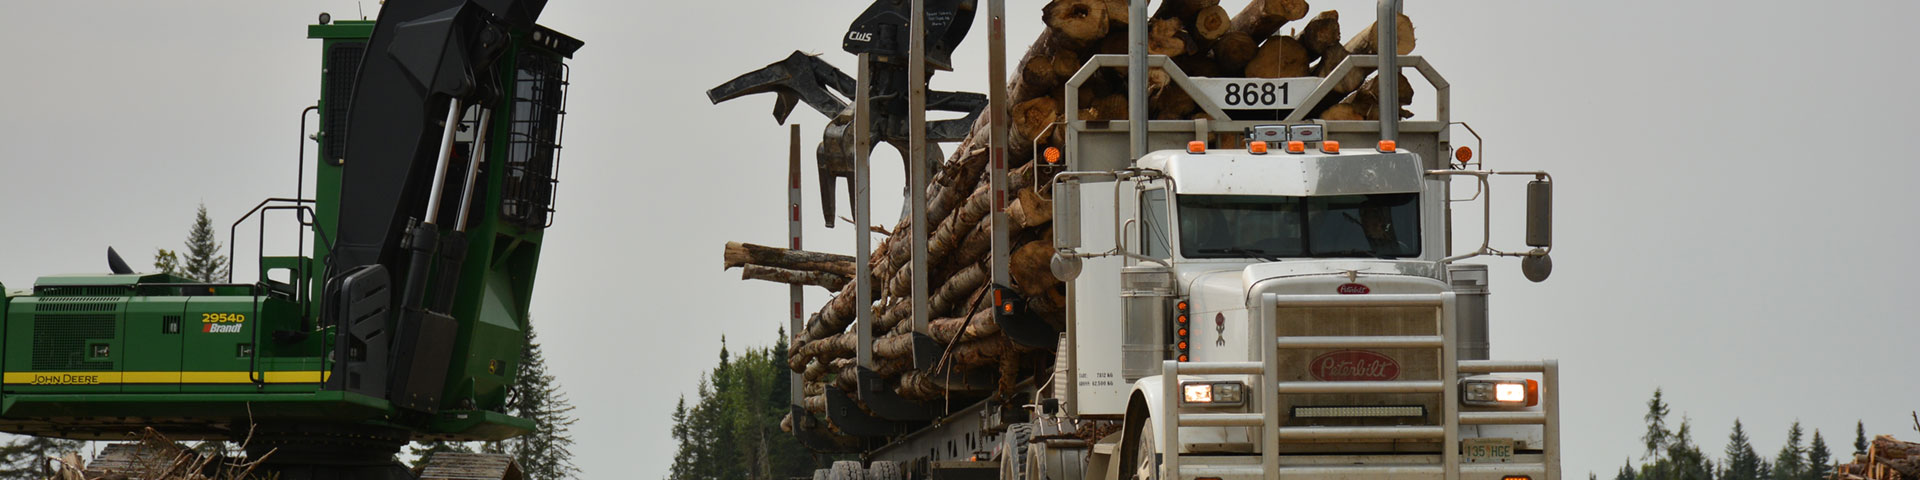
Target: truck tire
847,470
1138,458
1014,461
884,470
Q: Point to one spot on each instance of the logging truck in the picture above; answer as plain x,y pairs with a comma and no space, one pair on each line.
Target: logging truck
1262,286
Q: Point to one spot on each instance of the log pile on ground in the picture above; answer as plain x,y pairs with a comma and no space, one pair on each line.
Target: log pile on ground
1886,459
1200,36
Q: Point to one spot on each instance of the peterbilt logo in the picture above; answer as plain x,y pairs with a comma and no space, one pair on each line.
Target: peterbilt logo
1353,289
1353,365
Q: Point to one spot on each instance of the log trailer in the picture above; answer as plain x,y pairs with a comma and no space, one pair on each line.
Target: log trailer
1250,295
402,315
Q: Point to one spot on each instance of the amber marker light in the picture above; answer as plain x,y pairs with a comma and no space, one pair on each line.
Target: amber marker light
1389,146
1463,154
1296,146
1196,147
1330,146
1052,155
1257,148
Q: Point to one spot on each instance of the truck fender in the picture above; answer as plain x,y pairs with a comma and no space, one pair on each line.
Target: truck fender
1144,403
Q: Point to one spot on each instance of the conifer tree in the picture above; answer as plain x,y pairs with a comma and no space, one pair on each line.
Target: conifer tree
26,456
1742,462
545,453
1657,436
1819,458
1859,437
203,262
1685,460
1791,462
1626,471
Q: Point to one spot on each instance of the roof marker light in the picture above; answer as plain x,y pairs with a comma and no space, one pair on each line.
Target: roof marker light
1389,146
1296,146
1196,147
1257,148
1330,146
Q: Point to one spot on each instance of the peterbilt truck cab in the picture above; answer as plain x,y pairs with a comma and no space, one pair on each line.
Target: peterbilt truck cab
1265,303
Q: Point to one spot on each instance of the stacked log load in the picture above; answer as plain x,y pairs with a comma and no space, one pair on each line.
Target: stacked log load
1886,459
1201,37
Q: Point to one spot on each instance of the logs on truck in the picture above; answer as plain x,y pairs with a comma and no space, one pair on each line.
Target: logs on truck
1266,39
1886,459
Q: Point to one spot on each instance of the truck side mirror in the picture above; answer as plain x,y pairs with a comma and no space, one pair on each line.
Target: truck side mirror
1066,215
1539,214
1537,266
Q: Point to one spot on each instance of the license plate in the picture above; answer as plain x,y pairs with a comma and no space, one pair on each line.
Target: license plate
1487,450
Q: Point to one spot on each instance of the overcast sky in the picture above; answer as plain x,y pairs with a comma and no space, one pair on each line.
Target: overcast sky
1735,215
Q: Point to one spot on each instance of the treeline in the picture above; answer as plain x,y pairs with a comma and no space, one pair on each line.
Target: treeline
1671,454
732,429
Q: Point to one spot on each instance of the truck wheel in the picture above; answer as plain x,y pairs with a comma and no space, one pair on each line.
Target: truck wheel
1139,455
847,470
1013,451
884,470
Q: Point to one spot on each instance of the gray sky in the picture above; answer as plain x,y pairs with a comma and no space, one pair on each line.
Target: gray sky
1731,221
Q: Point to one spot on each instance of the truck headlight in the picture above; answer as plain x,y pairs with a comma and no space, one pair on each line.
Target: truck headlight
1499,392
1213,393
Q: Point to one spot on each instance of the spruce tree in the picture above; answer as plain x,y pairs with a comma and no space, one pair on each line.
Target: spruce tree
1742,462
543,454
1626,471
1685,460
1819,458
1859,437
1657,437
1791,462
203,262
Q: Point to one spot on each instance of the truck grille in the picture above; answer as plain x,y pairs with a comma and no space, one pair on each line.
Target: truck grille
1359,365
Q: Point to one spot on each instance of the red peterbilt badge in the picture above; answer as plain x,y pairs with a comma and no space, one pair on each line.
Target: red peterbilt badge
1353,365
1353,289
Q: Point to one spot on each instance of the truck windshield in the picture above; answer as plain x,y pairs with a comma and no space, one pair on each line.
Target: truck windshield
1382,225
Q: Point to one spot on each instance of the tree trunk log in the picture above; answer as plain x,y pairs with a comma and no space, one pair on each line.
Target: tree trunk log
1077,22
1321,34
742,254
1280,57
829,281
1262,18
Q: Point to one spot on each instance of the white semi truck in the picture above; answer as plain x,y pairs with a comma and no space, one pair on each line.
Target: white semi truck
1262,299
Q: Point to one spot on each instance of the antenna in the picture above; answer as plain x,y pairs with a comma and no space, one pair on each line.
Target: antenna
362,8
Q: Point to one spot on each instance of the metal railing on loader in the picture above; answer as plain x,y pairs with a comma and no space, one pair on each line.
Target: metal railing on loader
1268,418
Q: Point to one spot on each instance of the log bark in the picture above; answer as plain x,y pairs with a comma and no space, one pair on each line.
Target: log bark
742,254
1903,457
1030,209
1262,18
1366,100
1321,34
1183,9
1280,57
829,281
